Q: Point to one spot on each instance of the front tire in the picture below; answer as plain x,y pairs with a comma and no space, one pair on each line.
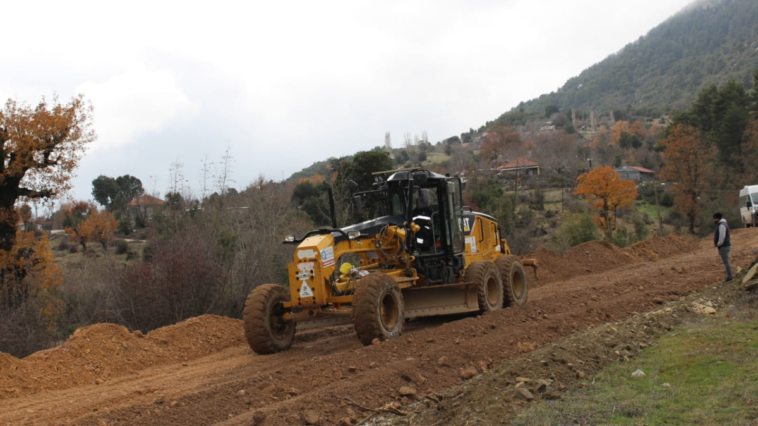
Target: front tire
265,328
378,308
515,285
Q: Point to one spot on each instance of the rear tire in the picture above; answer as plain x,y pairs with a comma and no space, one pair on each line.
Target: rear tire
490,286
265,329
378,308
515,285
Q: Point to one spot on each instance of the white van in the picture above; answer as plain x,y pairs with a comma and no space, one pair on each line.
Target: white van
749,205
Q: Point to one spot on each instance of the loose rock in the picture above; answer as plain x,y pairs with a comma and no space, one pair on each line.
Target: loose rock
468,373
523,393
638,373
407,391
310,417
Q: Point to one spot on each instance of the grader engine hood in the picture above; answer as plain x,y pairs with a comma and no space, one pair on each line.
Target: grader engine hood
313,262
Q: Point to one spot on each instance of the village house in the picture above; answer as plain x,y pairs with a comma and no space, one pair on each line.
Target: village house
520,165
144,207
635,173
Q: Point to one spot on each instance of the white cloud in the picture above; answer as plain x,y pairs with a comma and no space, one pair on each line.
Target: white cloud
289,83
133,103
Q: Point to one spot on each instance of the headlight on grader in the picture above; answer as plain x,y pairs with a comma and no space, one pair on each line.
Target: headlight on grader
354,234
289,239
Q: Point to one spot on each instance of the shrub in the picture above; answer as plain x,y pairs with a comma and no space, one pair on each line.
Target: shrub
182,280
576,230
63,244
575,206
640,229
23,330
538,200
122,247
549,214
622,238
73,249
125,225
148,252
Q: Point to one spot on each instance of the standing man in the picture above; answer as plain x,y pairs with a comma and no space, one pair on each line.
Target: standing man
723,243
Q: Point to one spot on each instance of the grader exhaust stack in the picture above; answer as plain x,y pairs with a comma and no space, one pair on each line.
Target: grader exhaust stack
420,254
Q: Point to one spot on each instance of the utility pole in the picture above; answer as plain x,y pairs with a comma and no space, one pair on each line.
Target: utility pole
562,191
515,187
658,209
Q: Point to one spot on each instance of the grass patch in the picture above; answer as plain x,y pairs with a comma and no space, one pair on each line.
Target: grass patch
710,367
433,158
651,211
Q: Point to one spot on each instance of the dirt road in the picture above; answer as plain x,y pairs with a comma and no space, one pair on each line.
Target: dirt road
328,375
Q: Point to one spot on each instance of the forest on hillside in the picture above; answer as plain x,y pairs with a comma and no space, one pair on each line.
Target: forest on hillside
710,42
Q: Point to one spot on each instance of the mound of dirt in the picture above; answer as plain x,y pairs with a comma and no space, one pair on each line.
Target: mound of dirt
601,256
101,352
662,247
594,256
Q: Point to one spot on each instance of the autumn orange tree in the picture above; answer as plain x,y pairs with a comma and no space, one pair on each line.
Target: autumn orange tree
690,160
98,226
40,148
606,191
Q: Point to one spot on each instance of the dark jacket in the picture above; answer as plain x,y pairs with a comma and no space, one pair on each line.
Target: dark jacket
721,235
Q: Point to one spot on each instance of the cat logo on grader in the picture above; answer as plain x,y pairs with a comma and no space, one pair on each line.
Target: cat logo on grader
422,254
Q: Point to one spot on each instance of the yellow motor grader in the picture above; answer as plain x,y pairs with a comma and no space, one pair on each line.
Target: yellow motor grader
423,254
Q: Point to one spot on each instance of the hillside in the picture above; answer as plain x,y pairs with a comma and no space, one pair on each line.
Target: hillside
707,43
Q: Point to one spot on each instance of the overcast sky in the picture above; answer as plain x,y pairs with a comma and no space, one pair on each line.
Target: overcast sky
290,83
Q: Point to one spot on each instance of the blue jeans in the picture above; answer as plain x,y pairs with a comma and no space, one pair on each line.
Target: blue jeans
724,253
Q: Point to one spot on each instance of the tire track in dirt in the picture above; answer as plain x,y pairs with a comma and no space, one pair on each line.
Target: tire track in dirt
317,375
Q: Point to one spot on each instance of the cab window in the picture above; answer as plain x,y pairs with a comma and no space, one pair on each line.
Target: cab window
455,212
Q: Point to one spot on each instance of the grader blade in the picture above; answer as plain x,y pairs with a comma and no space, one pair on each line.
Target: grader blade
323,322
440,300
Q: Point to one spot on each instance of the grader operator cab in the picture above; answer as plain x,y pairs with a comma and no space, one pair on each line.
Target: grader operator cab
421,254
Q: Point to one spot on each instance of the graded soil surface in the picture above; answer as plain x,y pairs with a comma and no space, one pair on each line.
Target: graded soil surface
201,372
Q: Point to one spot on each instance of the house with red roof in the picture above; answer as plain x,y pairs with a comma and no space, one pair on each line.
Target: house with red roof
520,165
144,207
635,173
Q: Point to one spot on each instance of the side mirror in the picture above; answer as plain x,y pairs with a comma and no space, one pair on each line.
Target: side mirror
419,177
352,186
357,206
